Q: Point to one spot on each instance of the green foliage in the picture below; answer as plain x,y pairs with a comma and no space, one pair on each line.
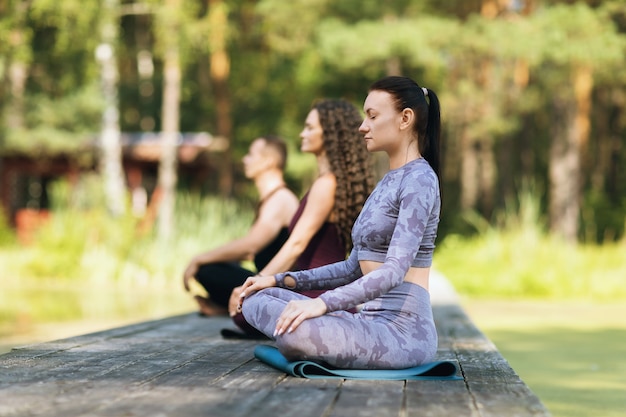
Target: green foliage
520,259
85,263
65,37
283,55
418,42
68,16
14,32
58,125
7,235
601,219
78,227
288,29
577,34
83,239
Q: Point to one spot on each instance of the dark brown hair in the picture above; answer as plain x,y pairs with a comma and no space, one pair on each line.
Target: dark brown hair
349,161
278,144
408,94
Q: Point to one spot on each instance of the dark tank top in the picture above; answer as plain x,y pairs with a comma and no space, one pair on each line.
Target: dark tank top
265,255
325,247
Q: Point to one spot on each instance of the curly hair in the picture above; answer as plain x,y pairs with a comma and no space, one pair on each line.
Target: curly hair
349,161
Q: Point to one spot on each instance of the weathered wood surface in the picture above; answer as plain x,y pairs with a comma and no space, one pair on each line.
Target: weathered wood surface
182,367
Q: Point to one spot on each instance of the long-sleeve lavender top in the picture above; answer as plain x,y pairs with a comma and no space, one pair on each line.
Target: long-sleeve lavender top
397,226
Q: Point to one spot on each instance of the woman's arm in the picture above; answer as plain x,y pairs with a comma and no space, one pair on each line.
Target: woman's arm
417,199
322,278
318,209
274,214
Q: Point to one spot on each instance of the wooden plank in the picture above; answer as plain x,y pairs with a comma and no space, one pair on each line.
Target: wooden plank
96,357
494,387
369,399
298,397
181,366
439,398
191,402
80,373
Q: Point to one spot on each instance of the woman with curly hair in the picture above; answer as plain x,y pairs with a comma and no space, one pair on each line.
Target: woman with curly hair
320,229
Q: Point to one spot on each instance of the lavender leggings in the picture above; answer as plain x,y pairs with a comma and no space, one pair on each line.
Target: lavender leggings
394,331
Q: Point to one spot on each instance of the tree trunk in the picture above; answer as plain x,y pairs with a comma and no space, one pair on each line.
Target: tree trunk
220,72
170,125
487,172
564,173
18,72
615,144
110,147
583,85
393,66
488,80
570,134
469,171
145,72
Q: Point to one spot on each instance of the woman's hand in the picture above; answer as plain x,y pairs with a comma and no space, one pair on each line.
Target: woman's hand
257,283
253,284
190,273
296,312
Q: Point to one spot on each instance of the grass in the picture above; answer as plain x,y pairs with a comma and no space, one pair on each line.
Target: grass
569,353
515,257
85,265
512,264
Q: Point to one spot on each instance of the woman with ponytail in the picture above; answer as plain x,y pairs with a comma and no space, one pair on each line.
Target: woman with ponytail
388,269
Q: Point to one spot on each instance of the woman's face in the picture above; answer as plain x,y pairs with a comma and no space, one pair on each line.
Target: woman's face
381,125
256,160
312,135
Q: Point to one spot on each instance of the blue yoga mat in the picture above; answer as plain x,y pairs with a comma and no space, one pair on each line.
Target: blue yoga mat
441,370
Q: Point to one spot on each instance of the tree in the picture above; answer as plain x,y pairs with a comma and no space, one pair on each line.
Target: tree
521,93
220,72
57,106
169,19
575,42
18,60
110,146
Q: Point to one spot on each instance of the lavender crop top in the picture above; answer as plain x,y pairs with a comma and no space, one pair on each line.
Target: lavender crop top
397,226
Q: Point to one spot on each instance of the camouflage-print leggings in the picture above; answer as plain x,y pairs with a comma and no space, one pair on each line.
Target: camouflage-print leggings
394,331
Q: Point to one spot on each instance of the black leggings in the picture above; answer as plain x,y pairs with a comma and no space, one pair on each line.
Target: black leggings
219,279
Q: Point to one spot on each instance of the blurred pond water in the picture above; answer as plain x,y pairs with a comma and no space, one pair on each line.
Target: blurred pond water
54,311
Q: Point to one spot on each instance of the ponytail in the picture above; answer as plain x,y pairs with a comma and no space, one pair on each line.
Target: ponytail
431,143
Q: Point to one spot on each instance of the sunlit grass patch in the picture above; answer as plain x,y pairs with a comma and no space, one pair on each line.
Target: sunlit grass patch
517,258
508,265
568,352
85,263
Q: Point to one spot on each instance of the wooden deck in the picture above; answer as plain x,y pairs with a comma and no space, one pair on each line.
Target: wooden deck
182,367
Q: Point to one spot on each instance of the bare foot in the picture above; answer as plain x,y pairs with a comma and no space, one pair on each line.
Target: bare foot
208,308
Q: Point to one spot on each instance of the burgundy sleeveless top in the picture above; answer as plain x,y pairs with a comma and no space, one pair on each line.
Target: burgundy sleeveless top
325,247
